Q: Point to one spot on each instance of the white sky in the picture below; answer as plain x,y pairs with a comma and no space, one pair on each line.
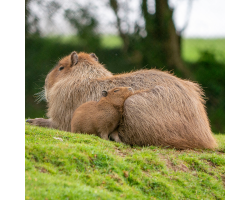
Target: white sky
207,18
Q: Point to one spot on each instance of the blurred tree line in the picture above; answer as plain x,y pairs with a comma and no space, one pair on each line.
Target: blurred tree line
153,44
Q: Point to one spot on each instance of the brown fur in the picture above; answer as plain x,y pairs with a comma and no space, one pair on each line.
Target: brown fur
101,117
169,113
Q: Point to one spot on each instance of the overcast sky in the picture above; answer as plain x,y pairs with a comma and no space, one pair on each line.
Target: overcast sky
206,20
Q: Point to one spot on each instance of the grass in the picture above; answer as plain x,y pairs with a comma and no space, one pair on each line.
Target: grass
87,167
107,41
111,41
191,47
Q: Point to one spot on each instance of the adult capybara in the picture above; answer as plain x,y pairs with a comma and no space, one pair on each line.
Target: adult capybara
101,117
169,112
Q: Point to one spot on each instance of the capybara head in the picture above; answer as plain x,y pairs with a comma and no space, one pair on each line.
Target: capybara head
118,95
73,65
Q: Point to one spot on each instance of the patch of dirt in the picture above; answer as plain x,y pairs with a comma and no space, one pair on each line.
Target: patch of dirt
220,152
180,167
41,169
210,163
120,153
171,165
125,173
115,177
223,179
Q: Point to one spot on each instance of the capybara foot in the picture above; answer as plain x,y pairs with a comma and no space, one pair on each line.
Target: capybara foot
105,136
115,137
39,122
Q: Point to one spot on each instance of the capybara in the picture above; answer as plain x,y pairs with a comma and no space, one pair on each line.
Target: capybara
168,112
101,117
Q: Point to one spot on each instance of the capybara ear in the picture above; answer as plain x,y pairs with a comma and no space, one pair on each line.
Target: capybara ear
104,93
94,56
74,58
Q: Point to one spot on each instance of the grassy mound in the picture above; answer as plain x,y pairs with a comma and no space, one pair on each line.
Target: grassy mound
87,167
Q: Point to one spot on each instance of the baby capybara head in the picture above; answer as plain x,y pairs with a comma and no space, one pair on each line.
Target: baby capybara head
117,95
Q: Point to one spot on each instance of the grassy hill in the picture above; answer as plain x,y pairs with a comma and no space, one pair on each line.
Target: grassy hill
87,167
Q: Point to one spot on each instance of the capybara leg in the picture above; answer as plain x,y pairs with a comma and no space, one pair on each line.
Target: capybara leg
105,136
114,136
40,122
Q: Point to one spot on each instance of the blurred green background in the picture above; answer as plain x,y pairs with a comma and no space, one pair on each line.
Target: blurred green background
155,44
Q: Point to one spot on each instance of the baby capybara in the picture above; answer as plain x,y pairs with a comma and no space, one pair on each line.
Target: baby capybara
101,118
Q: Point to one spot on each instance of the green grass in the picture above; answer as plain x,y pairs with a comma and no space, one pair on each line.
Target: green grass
87,167
107,41
191,48
111,41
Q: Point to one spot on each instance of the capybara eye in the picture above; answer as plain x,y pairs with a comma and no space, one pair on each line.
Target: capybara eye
104,93
61,68
116,90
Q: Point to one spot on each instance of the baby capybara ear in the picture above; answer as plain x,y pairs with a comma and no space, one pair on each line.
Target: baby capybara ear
104,93
74,58
94,56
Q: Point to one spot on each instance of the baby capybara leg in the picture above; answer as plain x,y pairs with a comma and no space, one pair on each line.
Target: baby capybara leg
114,136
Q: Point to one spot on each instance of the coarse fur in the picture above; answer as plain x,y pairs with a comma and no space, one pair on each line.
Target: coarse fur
168,111
101,117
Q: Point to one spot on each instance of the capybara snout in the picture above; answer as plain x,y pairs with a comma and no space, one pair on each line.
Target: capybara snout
118,92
